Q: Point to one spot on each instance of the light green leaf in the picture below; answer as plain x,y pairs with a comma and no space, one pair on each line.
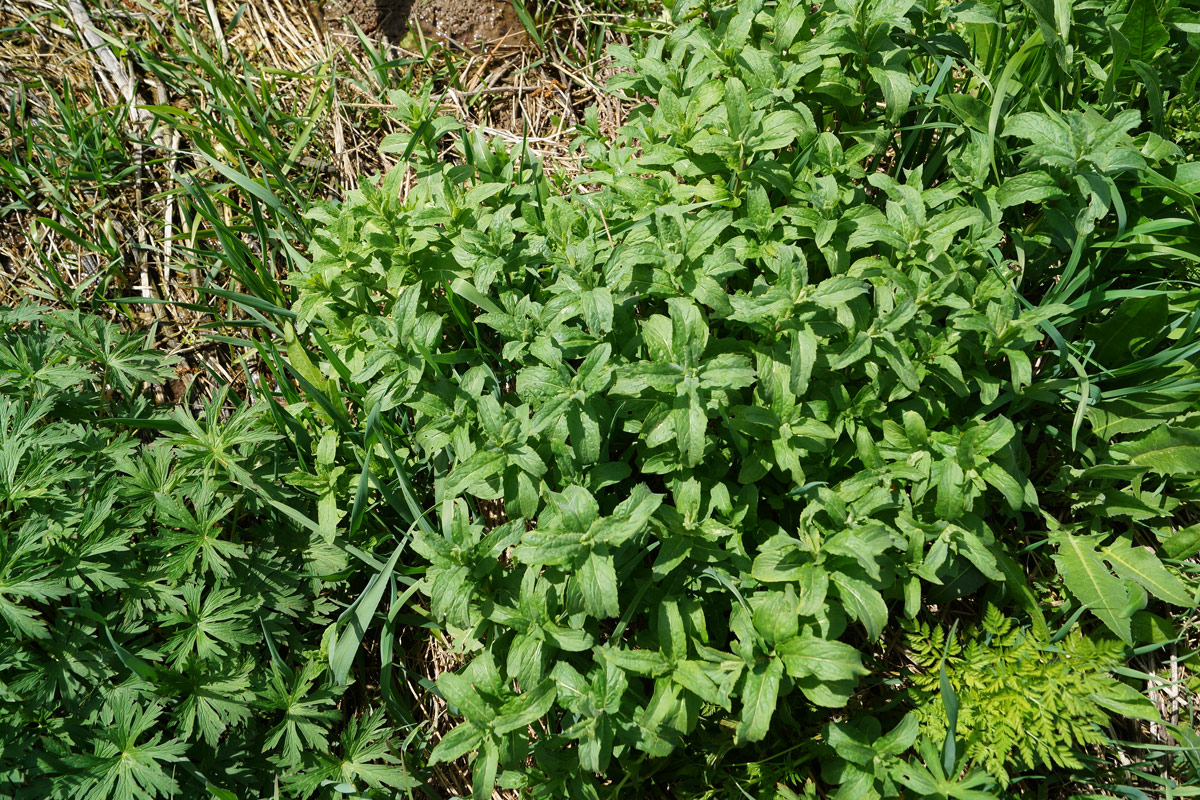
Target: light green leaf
1028,187
526,708
347,643
1120,698
779,129
737,107
827,660
1120,415
1091,582
550,547
1144,30
456,744
640,662
597,581
471,475
1140,565
1184,543
1165,450
760,693
896,86
692,676
458,692
863,602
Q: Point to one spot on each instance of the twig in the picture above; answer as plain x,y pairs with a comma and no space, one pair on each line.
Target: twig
112,68
218,29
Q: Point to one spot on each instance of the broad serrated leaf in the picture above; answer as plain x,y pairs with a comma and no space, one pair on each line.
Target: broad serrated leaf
1091,582
1140,565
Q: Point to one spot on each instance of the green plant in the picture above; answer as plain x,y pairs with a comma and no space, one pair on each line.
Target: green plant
865,763
815,342
163,623
1023,702
871,310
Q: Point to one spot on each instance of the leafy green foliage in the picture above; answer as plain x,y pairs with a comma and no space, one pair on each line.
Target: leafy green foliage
1023,703
162,624
871,310
840,326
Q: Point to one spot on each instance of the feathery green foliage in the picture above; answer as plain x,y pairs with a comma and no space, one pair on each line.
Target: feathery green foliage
1023,703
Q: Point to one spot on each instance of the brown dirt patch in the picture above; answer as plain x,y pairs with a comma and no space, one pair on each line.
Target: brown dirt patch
461,22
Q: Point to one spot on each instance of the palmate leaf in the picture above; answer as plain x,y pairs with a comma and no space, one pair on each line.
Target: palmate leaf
213,623
121,765
211,701
307,713
367,755
366,761
214,440
81,571
200,534
21,618
121,358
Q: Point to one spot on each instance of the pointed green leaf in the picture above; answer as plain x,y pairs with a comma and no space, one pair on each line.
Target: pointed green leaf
1183,544
526,708
760,693
827,660
1091,582
457,743
1144,30
1140,565
1165,450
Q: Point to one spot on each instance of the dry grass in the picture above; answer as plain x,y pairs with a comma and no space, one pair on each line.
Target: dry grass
511,93
100,202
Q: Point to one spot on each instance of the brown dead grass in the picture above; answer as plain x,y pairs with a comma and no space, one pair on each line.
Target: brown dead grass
510,92
146,230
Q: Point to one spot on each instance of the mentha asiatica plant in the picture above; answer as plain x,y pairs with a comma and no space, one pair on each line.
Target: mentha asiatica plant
829,335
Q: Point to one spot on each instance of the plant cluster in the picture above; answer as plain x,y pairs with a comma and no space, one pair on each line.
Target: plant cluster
872,311
1021,701
162,623
841,326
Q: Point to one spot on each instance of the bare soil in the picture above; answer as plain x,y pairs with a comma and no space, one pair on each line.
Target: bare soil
462,22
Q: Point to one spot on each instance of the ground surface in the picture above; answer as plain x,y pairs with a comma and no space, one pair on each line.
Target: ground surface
123,121
484,21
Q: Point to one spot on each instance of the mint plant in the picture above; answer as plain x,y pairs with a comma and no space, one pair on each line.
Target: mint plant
840,329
